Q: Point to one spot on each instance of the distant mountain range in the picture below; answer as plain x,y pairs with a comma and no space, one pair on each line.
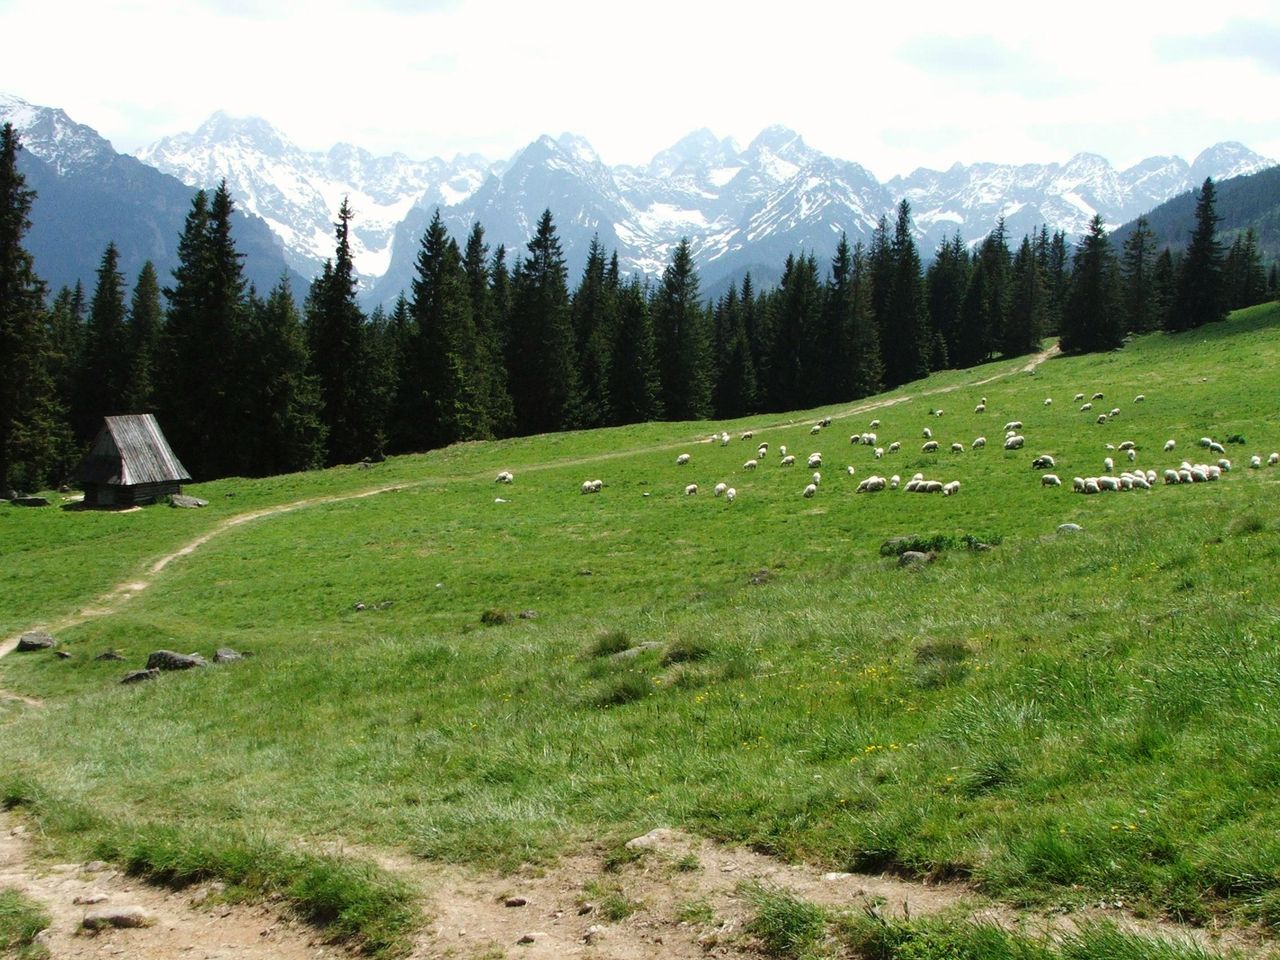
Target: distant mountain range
741,208
88,195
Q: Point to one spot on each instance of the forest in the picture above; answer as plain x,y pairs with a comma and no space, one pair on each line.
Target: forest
490,343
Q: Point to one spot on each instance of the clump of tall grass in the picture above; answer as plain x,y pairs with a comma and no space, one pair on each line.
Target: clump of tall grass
21,919
785,925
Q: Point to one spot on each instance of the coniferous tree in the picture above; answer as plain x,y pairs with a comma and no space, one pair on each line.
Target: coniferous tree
866,368
104,377
796,318
146,318
337,346
1024,322
905,338
635,388
283,396
33,435
66,333
490,358
1164,288
757,324
974,342
1092,320
1245,281
1200,298
946,281
735,381
594,317
1056,269
1137,268
683,339
543,363
832,363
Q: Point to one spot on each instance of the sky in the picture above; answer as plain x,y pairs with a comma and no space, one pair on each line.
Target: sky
894,86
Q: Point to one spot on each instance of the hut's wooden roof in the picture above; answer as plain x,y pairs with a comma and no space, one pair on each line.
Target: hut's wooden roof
130,450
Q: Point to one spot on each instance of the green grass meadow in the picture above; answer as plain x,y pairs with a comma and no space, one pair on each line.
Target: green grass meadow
1061,718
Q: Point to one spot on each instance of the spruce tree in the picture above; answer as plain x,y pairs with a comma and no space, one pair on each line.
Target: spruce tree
495,398
1200,298
906,341
634,386
1164,288
796,319
104,379
146,318
1246,283
683,337
734,394
866,366
594,317
1137,268
946,281
65,326
1024,323
337,347
1092,319
33,434
543,364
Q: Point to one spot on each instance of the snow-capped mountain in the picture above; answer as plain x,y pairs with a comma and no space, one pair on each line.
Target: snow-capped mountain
299,193
88,195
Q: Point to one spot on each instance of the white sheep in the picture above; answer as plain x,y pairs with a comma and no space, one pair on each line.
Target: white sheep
1216,447
930,486
690,490
957,448
895,447
1086,407
763,448
951,489
815,461
762,453
1151,476
1171,476
1255,461
1097,396
1206,442
1185,475
879,452
978,443
1139,398
856,438
731,494
788,461
782,450
1091,485
1273,459
980,408
1079,397
927,433
870,439
810,490
894,481
817,478
1102,418
824,422
1048,401
816,428
1043,461
720,489
1077,484
505,476
1014,425
1141,482
850,470
918,477
1132,454
1109,483
1128,445
682,459
587,487
1108,464
747,435
930,447
1169,445
912,485
874,425
724,439
751,465
1224,464
1115,412
1015,442
938,412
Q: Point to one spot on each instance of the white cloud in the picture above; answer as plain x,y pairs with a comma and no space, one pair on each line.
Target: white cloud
896,87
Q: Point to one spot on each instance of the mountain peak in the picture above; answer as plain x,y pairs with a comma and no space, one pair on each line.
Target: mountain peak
1227,159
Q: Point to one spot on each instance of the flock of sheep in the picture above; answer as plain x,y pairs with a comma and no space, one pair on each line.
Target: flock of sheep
1014,439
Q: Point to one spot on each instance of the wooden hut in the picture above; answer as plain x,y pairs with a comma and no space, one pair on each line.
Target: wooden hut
130,462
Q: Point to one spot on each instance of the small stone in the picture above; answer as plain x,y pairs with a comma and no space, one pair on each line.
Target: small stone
187,503
514,902
594,932
528,614
584,572
135,676
95,866
1069,528
88,899
910,558
168,660
532,936
760,577
110,655
632,652
62,655
227,655
836,877
35,640
585,909
122,916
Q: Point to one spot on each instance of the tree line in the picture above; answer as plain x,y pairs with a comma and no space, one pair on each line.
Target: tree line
479,348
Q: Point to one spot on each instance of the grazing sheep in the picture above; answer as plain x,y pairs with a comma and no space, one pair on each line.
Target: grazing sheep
825,422
980,408
1128,445
1091,485
782,450
879,452
1111,446
586,487
1216,447
747,435
1077,484
929,486
816,428
1224,464
978,442
1086,407
1184,475
1212,471
506,476
1015,442
957,448
1079,397
1115,412
1108,464
1048,401
870,439
817,477
1151,476
682,460
1014,425
763,448
1199,474
1169,445
1171,476
1102,418
690,490
815,461
912,484
1273,459
918,477
1141,482
951,489
895,447
731,494
1205,442
1109,483
1097,396
810,490
938,412
1043,461
1255,461
856,438
927,433
850,470
930,447
1139,398
788,461
1132,454
724,439
874,425
894,481
762,453
751,465
720,489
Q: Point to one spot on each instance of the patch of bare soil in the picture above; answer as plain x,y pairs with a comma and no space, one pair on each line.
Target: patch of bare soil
185,925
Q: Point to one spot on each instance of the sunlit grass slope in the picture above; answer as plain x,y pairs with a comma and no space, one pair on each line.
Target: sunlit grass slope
1059,717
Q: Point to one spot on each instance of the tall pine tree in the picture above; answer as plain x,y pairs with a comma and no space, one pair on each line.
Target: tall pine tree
146,319
1092,319
681,331
104,378
1200,298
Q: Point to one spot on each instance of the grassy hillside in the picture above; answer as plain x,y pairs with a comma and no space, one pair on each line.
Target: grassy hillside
1059,718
